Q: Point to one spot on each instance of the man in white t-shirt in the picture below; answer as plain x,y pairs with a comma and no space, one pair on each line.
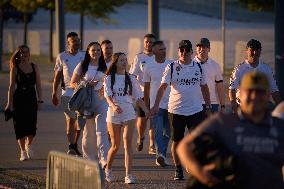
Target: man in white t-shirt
186,80
107,49
213,74
137,69
152,77
64,67
252,63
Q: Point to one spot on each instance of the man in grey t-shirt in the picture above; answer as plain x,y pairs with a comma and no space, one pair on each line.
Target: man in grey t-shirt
252,136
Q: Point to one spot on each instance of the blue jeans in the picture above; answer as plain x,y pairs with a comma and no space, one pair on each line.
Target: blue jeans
161,126
214,107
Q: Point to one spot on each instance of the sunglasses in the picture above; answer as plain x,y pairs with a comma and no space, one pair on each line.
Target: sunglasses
182,50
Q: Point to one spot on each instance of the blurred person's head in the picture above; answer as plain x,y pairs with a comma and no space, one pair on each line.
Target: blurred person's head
148,42
159,50
107,48
185,51
202,49
73,42
22,54
254,93
253,50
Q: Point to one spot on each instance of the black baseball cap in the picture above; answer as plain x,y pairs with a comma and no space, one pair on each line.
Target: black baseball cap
204,42
185,44
254,44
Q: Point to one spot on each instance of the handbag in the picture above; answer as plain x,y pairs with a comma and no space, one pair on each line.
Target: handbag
8,114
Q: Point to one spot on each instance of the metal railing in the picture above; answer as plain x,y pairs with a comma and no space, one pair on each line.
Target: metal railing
71,172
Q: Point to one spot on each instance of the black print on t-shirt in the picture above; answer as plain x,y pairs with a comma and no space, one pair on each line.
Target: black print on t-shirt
191,81
120,92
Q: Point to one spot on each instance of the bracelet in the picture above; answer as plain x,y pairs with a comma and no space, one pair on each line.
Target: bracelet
40,101
222,106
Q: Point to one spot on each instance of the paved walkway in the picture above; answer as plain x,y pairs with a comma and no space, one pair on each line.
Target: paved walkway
51,136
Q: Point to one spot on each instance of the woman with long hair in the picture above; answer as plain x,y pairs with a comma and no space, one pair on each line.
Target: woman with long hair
24,98
92,69
120,90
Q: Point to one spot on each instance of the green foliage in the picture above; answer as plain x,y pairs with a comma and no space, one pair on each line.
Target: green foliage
47,4
25,6
258,5
95,9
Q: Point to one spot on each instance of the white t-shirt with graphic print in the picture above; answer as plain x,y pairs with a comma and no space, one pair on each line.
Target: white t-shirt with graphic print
117,93
91,74
137,67
213,74
153,73
185,87
67,62
245,67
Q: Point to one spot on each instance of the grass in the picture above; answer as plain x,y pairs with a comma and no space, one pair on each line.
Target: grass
16,179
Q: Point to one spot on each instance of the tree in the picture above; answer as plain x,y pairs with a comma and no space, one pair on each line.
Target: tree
49,5
258,5
95,9
26,7
7,12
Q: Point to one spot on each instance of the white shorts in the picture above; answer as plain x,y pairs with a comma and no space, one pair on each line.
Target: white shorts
128,113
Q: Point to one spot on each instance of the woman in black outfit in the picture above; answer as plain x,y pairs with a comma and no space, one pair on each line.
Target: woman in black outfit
24,97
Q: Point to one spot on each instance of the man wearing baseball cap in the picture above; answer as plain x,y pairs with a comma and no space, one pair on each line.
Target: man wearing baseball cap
213,74
252,63
252,136
186,80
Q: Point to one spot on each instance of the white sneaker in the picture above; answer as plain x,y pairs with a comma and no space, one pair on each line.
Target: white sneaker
103,164
109,176
24,156
30,152
161,161
129,179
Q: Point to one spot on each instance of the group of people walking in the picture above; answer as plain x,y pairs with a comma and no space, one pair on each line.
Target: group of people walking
108,99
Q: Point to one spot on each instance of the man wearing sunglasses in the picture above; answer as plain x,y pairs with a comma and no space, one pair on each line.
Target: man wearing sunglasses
186,80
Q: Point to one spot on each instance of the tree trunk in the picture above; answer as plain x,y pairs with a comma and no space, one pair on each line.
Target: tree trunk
1,36
50,36
82,29
25,27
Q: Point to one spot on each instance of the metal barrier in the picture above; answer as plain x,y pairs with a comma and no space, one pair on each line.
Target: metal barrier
70,172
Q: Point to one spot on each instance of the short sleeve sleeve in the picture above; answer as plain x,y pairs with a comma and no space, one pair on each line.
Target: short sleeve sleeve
146,74
134,69
234,79
136,90
58,64
273,85
203,79
107,86
219,76
167,74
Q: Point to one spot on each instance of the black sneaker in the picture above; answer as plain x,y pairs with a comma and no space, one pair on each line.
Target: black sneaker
75,147
179,174
139,145
71,150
